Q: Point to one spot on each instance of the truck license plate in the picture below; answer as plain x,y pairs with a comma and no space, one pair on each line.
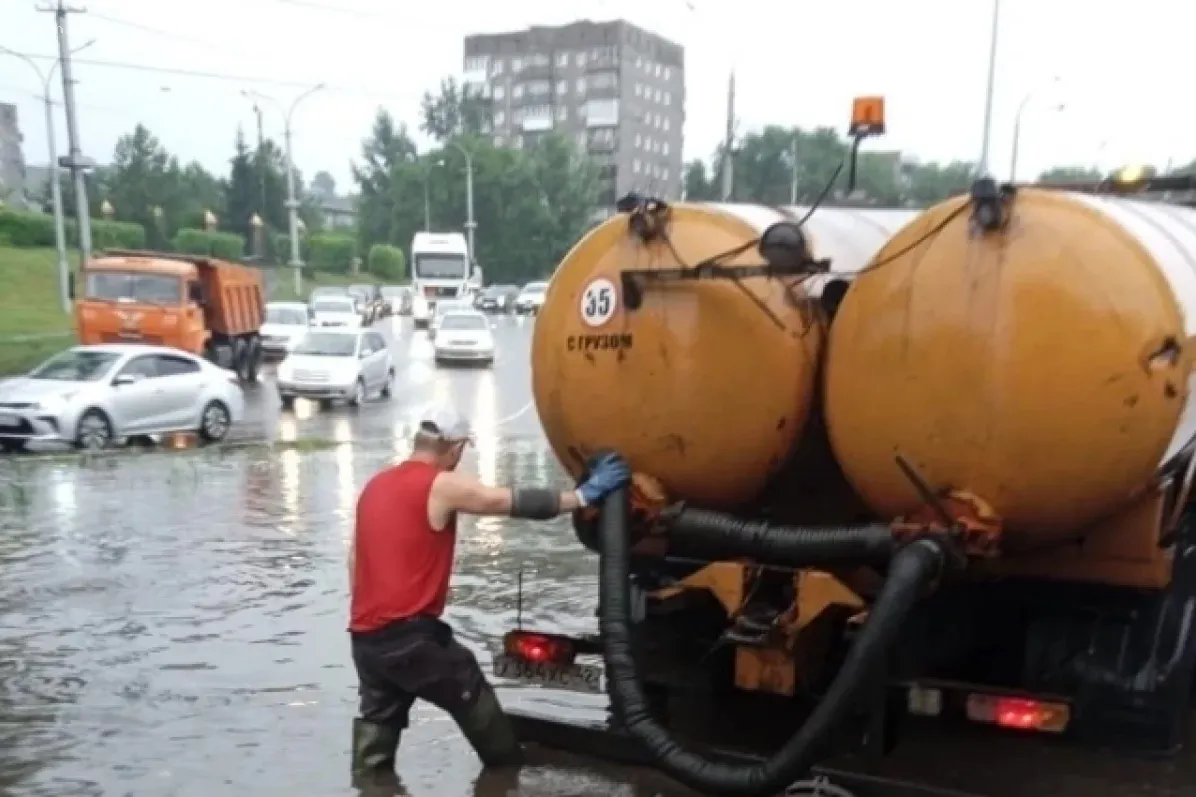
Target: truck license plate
9,420
573,677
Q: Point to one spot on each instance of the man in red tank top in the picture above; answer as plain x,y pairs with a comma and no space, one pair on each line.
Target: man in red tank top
400,564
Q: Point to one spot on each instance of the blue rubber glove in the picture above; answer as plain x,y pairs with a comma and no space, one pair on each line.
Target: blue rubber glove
608,473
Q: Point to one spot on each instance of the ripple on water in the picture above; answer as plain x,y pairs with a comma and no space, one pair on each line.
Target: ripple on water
175,625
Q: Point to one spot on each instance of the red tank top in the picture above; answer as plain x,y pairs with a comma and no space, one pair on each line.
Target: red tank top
402,565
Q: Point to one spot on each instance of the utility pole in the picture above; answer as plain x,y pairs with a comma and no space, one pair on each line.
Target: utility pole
261,157
982,167
793,168
729,143
75,160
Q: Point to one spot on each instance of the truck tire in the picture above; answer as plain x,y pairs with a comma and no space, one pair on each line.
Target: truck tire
253,361
240,359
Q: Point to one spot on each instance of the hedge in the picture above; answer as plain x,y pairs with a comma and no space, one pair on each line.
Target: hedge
225,245
25,229
333,252
387,262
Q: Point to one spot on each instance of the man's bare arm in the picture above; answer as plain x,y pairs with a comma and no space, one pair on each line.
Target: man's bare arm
456,492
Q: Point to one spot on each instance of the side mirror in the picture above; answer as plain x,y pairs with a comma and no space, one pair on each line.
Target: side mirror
126,379
70,285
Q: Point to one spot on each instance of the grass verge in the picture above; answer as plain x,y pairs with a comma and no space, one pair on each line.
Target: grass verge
33,326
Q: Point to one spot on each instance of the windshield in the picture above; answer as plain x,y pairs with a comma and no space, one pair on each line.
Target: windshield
392,292
362,291
535,287
327,344
76,365
462,321
333,306
290,316
133,286
439,266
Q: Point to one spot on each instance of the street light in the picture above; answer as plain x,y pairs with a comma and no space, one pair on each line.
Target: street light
426,174
1017,125
470,225
55,188
292,202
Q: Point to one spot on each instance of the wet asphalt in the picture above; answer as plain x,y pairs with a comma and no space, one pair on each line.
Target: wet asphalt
174,624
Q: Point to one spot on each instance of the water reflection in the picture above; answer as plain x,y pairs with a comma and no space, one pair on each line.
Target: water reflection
62,499
487,529
289,462
346,478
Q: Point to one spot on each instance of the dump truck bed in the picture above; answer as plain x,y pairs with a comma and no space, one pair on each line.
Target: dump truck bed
235,300
934,760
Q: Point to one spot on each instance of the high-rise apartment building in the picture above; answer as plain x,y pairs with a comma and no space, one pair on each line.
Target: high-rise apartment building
617,90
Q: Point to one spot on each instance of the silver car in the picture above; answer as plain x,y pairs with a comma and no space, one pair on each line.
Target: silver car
91,396
337,364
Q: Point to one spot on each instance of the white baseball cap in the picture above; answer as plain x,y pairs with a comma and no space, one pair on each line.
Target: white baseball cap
448,425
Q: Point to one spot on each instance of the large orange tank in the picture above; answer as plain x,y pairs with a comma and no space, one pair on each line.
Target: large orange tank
1044,368
708,383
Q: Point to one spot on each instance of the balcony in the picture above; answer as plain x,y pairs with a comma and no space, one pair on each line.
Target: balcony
602,113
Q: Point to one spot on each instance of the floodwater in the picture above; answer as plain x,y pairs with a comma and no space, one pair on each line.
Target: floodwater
174,624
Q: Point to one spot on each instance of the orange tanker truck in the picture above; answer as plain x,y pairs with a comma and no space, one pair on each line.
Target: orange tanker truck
206,306
911,512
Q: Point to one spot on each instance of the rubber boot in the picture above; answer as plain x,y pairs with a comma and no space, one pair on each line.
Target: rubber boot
490,731
374,748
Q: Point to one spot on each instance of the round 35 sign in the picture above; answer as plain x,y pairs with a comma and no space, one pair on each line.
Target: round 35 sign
599,301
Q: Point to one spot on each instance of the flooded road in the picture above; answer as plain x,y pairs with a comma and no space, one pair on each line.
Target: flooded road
174,623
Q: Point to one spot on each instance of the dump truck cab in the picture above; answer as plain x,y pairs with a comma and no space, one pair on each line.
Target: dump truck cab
198,304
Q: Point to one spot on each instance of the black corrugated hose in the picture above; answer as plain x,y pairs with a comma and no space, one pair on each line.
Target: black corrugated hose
911,570
702,533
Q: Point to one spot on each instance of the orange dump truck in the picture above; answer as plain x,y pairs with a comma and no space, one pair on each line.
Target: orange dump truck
199,304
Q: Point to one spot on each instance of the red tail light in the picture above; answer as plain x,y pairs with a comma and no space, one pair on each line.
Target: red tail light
539,648
1019,713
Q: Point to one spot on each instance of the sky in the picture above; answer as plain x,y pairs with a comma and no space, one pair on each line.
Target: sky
1102,78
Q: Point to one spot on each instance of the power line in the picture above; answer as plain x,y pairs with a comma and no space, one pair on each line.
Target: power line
353,12
124,23
164,70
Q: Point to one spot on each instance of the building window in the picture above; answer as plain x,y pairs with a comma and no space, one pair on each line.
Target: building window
500,141
500,118
605,80
581,141
639,62
636,165
639,140
639,89
562,87
475,63
665,174
581,85
517,142
517,65
562,113
664,148
539,88
666,124
497,68
657,70
667,98
668,73
539,59
581,59
500,92
658,95
562,59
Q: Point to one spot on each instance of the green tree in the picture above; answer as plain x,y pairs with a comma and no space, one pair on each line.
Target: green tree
454,110
384,153
699,183
143,177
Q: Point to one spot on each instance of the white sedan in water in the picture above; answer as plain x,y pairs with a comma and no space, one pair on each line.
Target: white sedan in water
464,336
286,324
336,311
337,364
90,396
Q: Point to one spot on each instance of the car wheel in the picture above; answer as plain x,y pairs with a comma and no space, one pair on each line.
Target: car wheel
358,394
93,432
13,445
214,422
288,402
253,361
388,385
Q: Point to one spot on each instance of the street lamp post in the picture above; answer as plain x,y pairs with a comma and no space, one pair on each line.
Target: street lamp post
1017,127
982,167
292,201
470,224
55,188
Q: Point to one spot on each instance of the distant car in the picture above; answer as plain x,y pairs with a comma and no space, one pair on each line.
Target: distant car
421,311
92,396
286,324
336,311
327,291
337,364
531,298
443,307
464,336
497,299
396,300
